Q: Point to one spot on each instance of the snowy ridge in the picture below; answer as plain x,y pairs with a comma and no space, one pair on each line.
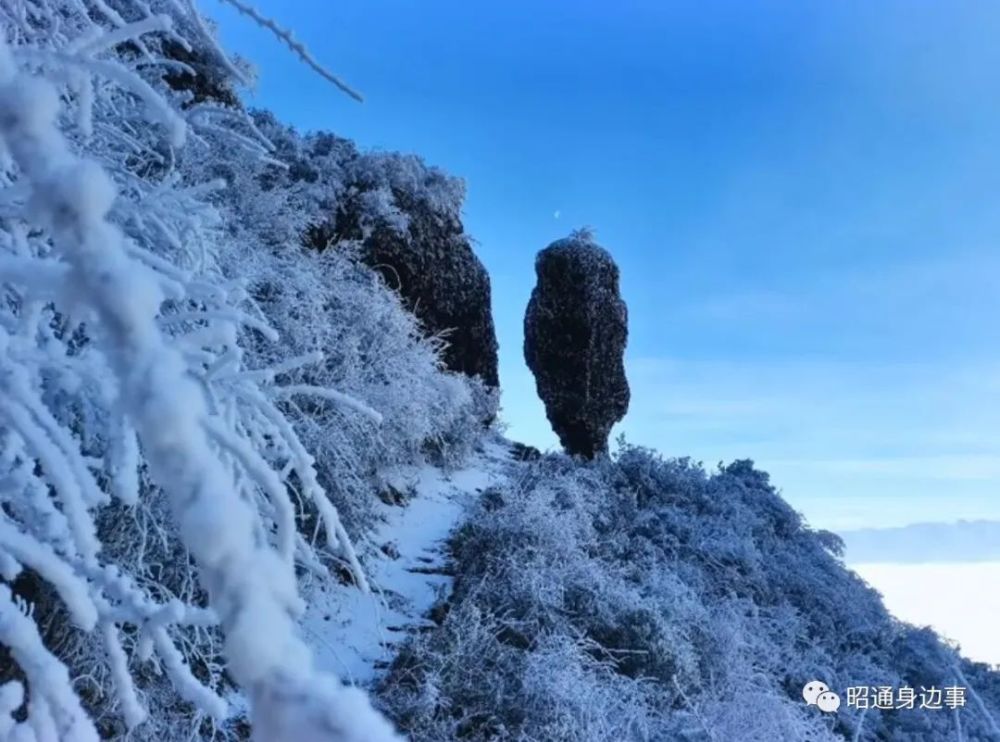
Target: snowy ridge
355,634
642,598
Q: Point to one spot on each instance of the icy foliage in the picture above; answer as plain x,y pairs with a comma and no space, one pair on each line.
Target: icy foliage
156,494
644,599
402,218
327,302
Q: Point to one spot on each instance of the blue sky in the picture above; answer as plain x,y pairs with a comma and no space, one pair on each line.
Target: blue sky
802,196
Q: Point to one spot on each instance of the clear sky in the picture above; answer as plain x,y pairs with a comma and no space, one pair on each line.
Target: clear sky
803,197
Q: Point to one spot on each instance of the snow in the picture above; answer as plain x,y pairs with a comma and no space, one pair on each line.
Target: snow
160,356
130,389
354,635
55,710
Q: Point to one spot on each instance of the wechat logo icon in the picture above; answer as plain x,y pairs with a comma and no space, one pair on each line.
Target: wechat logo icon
817,693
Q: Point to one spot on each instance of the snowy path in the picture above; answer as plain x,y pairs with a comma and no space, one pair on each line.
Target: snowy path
355,635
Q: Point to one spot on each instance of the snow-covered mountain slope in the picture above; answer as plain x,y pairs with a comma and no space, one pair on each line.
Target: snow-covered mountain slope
357,635
235,471
645,598
195,409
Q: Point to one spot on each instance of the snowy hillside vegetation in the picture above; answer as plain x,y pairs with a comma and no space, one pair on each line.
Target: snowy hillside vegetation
357,634
246,479
402,218
643,598
332,305
194,413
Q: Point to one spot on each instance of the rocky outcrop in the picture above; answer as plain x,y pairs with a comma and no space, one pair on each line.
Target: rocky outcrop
402,218
431,264
575,331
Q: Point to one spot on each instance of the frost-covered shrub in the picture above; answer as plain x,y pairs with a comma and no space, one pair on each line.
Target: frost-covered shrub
325,304
683,605
402,218
564,638
154,492
330,303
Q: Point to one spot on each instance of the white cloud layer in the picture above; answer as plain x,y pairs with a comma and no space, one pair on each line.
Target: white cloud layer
965,604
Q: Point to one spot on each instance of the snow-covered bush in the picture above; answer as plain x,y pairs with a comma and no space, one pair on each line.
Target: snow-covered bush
401,218
156,495
677,604
325,303
328,302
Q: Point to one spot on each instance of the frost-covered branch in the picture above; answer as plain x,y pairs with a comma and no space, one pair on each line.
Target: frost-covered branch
251,586
286,36
176,439
55,710
115,320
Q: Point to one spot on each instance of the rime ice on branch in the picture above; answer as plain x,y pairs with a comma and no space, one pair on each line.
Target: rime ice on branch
146,398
